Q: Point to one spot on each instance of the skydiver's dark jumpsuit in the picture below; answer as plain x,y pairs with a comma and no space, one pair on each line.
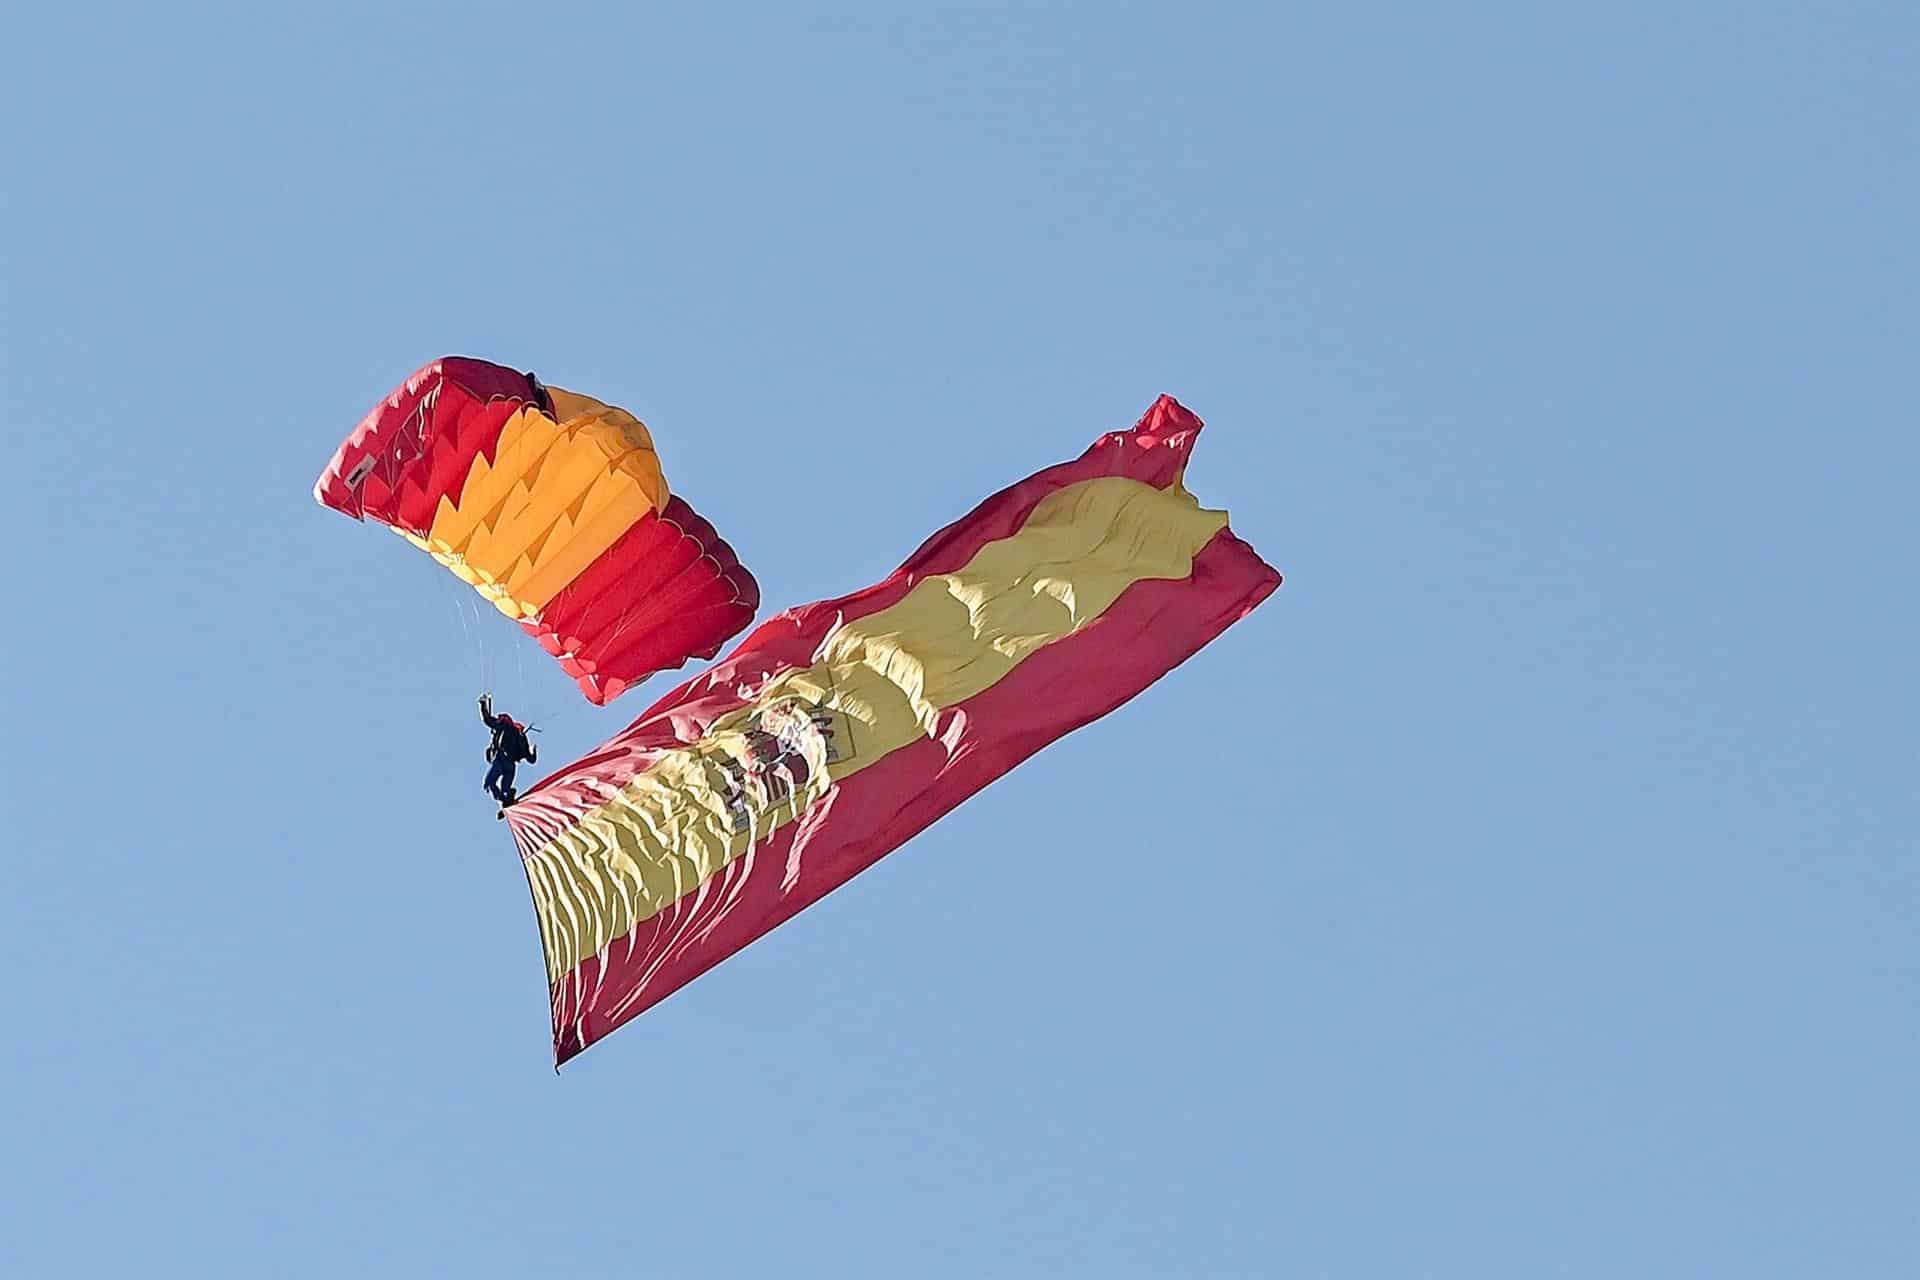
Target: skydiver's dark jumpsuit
509,746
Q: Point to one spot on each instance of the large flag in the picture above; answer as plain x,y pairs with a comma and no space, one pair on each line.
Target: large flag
840,729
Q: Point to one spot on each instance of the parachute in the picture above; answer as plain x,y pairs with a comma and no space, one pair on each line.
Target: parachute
553,506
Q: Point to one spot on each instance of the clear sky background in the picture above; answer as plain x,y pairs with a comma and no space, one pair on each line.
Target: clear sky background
1546,893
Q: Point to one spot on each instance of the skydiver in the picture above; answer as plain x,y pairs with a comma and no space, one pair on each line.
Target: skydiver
509,746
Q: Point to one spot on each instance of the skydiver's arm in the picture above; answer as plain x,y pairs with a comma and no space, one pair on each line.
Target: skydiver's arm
533,753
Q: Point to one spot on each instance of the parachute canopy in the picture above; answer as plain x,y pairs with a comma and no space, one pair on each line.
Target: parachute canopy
554,507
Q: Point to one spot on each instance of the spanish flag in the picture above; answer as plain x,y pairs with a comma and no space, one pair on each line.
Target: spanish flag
839,730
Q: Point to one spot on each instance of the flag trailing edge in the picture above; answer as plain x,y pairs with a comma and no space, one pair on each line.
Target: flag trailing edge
838,730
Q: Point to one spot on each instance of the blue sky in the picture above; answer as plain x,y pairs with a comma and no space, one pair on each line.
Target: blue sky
1550,894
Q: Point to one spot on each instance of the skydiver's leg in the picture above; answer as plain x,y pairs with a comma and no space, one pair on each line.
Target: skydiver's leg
506,793
502,771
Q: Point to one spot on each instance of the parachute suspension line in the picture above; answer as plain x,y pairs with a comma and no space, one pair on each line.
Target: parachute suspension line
466,607
547,712
460,612
519,673
486,648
